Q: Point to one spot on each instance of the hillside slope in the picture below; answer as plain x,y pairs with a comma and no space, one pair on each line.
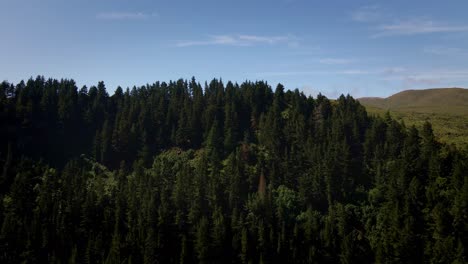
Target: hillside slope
439,100
445,108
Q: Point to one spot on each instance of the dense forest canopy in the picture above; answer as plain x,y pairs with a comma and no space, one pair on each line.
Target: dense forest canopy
179,173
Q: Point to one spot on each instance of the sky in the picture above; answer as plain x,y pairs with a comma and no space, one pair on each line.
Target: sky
362,48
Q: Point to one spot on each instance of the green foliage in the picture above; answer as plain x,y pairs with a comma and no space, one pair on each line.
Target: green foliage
446,109
169,172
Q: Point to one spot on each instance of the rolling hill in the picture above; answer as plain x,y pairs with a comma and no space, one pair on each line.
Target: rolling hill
440,100
445,108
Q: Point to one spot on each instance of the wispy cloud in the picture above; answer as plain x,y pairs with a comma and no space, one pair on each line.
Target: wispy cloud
393,70
355,72
367,14
431,77
445,51
330,93
442,74
305,73
335,61
125,15
387,24
241,40
424,81
417,26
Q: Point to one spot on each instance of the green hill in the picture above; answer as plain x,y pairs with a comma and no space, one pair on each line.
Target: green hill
445,108
441,100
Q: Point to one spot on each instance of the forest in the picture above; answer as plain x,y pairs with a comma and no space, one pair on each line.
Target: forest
220,172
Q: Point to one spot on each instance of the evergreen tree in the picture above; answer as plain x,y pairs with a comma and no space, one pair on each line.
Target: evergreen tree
171,172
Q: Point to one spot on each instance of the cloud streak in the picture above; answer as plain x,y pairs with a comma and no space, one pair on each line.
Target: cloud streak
414,27
424,81
445,51
305,73
125,15
366,14
440,74
433,77
335,61
394,70
387,25
240,40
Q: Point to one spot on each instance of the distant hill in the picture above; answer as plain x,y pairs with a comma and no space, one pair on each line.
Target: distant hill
440,100
445,108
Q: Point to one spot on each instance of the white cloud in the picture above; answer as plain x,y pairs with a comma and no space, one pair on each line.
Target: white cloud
445,51
355,72
432,77
329,93
394,70
417,26
334,61
270,40
125,15
366,14
401,27
442,74
310,90
240,40
425,81
305,73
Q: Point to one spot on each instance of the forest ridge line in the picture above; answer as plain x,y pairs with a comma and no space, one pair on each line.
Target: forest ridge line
176,172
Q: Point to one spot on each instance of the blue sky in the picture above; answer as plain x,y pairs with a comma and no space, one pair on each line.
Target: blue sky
364,48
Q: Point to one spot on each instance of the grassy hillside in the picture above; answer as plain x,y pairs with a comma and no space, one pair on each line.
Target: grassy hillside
446,109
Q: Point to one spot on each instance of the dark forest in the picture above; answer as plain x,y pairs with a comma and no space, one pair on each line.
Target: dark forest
183,172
